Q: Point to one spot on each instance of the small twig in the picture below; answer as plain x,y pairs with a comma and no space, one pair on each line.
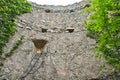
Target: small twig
38,67
30,67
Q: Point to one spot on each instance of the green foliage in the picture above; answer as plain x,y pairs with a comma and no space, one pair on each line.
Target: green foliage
9,9
104,24
15,46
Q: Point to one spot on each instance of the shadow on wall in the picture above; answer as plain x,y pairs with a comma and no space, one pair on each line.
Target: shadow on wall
44,30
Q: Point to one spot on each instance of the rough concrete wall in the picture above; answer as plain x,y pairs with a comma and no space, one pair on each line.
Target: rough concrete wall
67,56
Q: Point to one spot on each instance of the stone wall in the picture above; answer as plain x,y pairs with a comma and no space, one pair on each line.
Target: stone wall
68,54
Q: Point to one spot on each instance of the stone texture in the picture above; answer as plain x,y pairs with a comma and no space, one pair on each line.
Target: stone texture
67,56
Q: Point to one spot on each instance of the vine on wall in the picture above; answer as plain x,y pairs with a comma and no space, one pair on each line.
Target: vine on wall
104,23
9,10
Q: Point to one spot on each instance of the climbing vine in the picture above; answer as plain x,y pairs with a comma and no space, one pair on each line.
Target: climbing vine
104,23
9,10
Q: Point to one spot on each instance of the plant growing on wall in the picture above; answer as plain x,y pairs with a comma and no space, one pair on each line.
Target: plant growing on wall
104,23
9,10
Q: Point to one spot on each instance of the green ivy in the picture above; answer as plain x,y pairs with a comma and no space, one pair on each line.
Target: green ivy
15,46
9,10
104,23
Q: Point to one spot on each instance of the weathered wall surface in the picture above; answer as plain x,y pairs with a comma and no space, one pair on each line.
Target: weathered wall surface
67,56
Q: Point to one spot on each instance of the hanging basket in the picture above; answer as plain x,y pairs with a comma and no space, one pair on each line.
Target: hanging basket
39,44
